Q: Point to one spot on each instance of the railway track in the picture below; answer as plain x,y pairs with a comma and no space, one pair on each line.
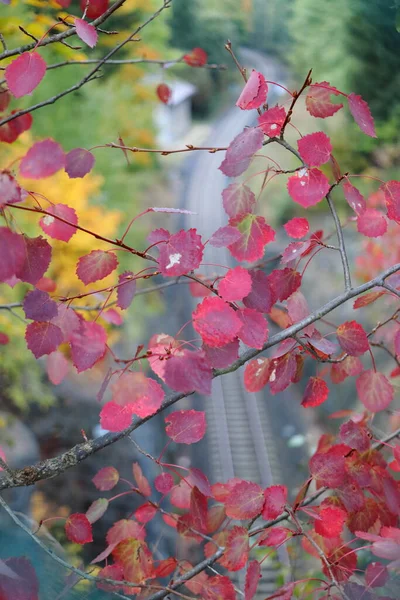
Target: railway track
247,435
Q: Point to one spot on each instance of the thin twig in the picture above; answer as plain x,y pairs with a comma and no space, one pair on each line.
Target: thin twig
391,289
188,148
131,61
342,248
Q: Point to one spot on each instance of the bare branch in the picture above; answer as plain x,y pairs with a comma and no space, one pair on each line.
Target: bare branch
342,248
132,61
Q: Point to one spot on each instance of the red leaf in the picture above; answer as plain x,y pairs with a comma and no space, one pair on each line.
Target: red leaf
88,345
126,289
354,198
78,529
241,150
106,479
135,558
350,367
274,536
124,529
271,121
180,495
12,253
260,297
86,32
235,285
361,114
10,131
182,253
218,587
186,371
10,192
284,282
315,149
330,522
67,320
352,338
245,501
297,227
318,100
257,374
164,92
316,392
216,322
253,575
224,236
164,483
376,575
219,358
4,339
355,436
374,390
254,93
166,567
328,468
371,223
57,367
196,58
37,259
141,480
275,500
198,479
254,332
145,513
25,73
143,395
367,299
96,265
198,510
238,199
283,372
5,98
42,160
236,549
298,309
38,306
43,338
78,163
255,235
96,510
308,187
56,229
392,197
95,8
186,426
18,580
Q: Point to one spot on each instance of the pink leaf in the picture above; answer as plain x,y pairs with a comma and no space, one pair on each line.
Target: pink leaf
371,223
25,73
352,338
355,436
255,235
96,510
245,501
241,150
330,522
141,480
164,92
67,320
298,309
186,371
354,198
126,289
186,426
274,536
361,114
143,395
114,417
37,259
106,479
10,192
57,367
316,392
238,199
78,529
219,358
235,285
164,483
12,253
198,510
275,500
374,390
224,236
196,58
318,100
392,197
308,187
181,254
254,93
376,575
112,316
88,345
297,227
253,576
315,149
43,338
260,296
124,529
272,120
96,265
284,282
216,322
18,579
56,229
86,32
236,549
79,162
42,160
145,513
38,306
257,374
328,468
197,478
254,332
295,251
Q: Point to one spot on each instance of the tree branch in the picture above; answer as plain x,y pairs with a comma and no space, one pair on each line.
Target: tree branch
54,466
342,248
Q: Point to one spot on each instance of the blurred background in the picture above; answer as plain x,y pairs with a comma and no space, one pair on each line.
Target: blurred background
352,44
